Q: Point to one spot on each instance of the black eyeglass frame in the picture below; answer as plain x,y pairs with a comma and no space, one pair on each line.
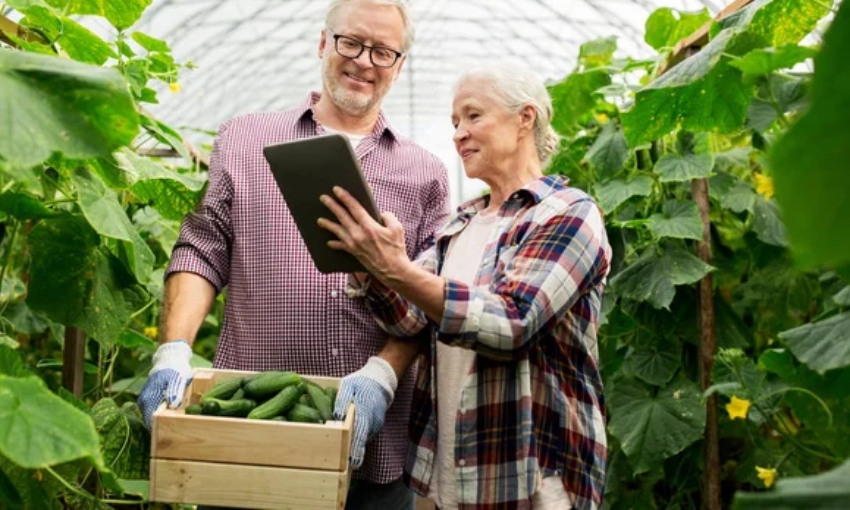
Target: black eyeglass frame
336,37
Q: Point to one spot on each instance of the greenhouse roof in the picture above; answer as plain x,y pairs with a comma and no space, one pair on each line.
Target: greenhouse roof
256,55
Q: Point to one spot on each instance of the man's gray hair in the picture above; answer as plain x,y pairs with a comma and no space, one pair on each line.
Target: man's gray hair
402,6
515,87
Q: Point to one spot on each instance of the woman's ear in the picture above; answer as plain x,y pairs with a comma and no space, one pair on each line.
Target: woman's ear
527,117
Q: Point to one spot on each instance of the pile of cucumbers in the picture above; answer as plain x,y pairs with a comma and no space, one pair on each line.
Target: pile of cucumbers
276,395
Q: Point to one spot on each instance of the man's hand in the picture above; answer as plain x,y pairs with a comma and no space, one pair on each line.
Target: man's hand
372,389
168,378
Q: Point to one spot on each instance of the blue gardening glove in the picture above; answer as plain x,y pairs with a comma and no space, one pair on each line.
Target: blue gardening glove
372,389
168,378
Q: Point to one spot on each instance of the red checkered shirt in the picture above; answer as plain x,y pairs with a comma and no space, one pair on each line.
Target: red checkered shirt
532,402
281,312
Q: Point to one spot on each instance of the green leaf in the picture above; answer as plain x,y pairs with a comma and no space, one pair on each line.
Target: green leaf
24,207
24,320
665,27
125,441
809,163
575,97
103,211
790,94
730,330
7,341
767,222
655,365
598,52
740,198
675,168
152,44
777,23
650,427
821,491
843,297
36,495
613,193
80,43
70,398
140,488
166,135
9,496
680,219
76,282
131,339
653,277
10,362
61,106
172,194
39,429
121,13
702,93
609,152
823,345
765,61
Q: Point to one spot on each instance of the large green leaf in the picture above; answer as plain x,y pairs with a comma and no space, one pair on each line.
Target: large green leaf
778,94
653,277
768,60
665,27
575,97
652,427
702,93
101,207
609,152
77,282
39,429
10,362
121,13
597,52
679,219
125,441
824,491
777,23
77,41
732,193
151,44
60,105
810,162
655,365
676,168
613,193
171,193
822,345
767,222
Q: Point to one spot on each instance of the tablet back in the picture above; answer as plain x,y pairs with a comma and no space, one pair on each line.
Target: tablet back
308,168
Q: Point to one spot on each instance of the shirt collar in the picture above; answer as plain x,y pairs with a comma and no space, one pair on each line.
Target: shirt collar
534,191
382,126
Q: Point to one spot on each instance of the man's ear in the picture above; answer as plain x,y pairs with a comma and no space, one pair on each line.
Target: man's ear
399,65
323,41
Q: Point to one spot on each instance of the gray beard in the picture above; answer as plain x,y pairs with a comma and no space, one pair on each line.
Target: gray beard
351,102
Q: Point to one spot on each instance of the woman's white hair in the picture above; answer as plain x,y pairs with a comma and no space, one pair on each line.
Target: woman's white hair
333,11
515,87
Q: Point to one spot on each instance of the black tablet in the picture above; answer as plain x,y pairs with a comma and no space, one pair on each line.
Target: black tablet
308,168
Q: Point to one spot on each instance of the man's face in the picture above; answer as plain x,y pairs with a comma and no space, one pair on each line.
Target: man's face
356,86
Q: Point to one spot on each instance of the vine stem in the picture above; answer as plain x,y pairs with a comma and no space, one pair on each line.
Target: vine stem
86,495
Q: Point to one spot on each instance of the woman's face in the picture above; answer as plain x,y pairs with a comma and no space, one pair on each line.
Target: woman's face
486,133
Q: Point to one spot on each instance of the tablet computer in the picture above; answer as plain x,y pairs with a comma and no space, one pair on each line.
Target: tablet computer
308,168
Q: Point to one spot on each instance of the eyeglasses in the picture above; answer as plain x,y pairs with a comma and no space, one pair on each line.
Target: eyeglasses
349,47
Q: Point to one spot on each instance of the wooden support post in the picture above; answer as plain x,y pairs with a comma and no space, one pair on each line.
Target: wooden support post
72,360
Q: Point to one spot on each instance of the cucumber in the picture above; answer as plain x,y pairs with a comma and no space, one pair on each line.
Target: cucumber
277,405
238,408
320,401
305,400
304,414
279,418
193,409
269,383
223,390
331,393
240,394
210,408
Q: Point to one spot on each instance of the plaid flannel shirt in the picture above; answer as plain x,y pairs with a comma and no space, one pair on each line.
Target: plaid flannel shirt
532,405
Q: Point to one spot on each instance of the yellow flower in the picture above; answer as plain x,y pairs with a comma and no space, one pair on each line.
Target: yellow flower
768,475
738,408
152,332
601,117
175,87
764,186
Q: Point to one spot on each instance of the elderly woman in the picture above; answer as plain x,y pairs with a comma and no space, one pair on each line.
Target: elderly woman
508,410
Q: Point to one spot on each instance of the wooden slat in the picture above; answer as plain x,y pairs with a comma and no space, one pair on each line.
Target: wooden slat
699,38
230,485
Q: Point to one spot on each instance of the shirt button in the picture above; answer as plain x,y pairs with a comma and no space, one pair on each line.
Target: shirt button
334,293
461,463
334,352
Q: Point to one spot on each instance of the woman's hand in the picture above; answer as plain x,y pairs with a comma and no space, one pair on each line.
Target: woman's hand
380,248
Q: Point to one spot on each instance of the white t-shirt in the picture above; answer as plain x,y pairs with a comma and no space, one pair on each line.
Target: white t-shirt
463,259
352,138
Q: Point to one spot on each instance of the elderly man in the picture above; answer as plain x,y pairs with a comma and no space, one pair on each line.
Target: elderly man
281,313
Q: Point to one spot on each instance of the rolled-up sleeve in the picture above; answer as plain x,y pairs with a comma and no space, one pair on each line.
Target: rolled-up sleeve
563,257
206,234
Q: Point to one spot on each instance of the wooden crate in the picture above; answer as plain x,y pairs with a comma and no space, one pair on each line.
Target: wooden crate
233,462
